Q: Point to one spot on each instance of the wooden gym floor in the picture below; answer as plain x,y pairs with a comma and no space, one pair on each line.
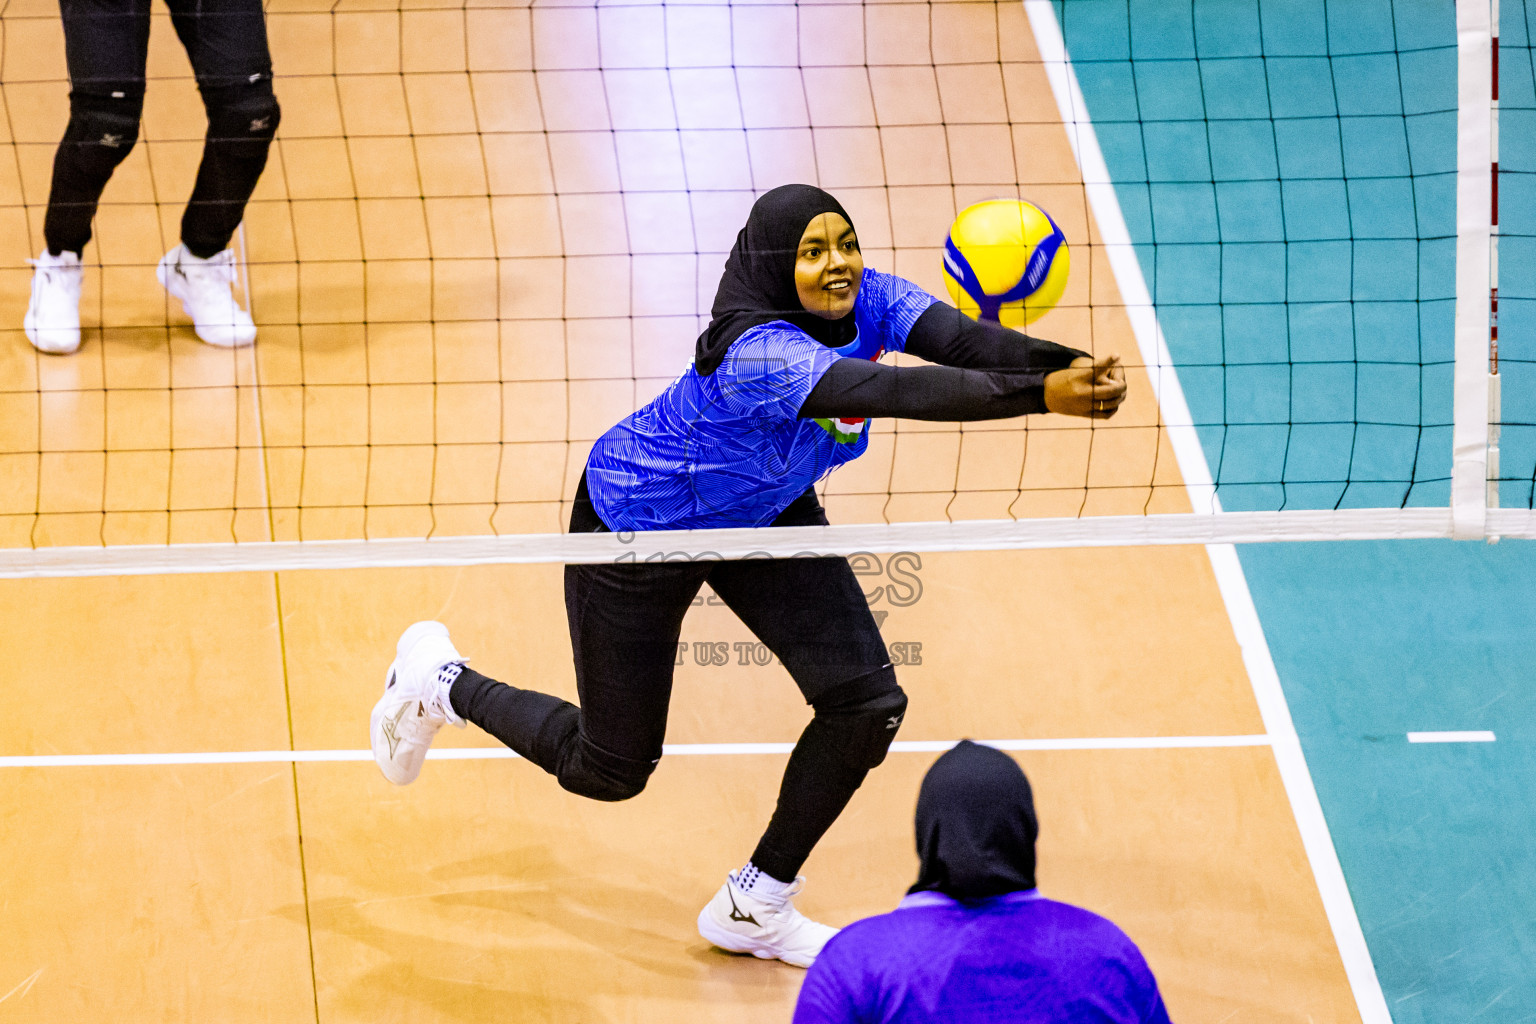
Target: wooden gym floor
484,236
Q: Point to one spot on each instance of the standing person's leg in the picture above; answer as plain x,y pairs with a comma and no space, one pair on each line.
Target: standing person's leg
226,41
813,615
106,44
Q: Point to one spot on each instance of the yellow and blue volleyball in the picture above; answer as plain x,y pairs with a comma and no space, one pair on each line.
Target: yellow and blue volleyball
1005,260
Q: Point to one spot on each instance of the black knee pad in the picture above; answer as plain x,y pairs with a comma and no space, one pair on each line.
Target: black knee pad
861,732
103,128
243,113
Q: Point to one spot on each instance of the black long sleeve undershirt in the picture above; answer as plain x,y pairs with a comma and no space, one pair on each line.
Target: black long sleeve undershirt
946,336
988,372
862,388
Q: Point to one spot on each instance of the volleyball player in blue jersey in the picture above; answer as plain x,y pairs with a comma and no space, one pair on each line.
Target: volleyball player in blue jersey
778,394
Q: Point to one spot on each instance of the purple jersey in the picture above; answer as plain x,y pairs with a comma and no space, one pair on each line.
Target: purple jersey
1016,958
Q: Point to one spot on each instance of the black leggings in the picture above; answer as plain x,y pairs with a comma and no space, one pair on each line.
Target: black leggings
625,619
106,43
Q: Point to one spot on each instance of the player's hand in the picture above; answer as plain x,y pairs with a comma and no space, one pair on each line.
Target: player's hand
1088,387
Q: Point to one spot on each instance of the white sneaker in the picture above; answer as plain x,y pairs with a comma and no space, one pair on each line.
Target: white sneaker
53,317
769,928
415,703
203,286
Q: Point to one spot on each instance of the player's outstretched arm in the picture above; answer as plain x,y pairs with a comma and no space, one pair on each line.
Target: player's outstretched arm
862,388
946,336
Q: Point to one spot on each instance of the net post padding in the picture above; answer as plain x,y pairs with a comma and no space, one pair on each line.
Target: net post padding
1474,196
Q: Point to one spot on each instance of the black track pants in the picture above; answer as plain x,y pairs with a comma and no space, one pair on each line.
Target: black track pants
625,620
106,43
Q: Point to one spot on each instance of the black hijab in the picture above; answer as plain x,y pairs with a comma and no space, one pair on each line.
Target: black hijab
976,825
758,285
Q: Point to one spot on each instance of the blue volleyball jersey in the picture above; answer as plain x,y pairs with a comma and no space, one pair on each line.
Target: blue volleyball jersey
729,449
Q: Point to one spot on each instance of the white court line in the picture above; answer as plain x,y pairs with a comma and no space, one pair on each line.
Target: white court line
1453,736
1289,759
670,749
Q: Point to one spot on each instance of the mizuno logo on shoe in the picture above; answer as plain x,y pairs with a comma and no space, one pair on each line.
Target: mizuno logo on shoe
261,124
736,914
111,141
894,722
389,729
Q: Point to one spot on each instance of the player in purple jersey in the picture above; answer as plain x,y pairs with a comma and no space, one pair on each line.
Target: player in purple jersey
974,942
781,382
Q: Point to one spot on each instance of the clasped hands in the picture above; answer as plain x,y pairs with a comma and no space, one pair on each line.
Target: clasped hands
1087,387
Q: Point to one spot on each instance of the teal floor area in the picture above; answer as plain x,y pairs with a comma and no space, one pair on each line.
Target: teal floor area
1287,172
1437,841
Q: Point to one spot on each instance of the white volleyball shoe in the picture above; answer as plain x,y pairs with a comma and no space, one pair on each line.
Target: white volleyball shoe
768,927
415,704
204,288
52,322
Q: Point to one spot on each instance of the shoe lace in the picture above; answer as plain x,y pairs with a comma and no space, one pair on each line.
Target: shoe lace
216,274
439,702
58,274
437,707
781,905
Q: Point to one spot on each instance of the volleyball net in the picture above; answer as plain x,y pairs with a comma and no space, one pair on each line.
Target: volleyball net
487,233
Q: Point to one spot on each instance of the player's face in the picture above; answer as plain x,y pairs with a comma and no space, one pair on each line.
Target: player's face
829,267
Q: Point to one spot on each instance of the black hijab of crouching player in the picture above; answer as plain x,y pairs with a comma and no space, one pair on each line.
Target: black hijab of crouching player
976,825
